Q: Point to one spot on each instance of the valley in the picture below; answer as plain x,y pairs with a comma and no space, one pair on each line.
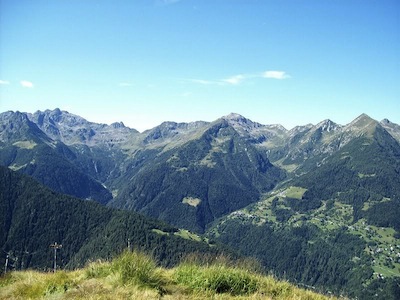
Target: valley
382,245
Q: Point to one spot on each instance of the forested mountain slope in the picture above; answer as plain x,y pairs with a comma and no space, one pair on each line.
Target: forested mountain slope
201,180
33,217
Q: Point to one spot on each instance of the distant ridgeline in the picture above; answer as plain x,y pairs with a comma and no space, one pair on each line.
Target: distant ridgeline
317,204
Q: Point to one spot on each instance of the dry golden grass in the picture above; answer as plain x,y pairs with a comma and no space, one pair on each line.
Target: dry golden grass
135,276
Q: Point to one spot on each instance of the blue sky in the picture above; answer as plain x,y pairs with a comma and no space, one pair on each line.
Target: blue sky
142,62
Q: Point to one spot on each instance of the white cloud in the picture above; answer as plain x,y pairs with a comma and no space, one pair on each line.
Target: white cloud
26,84
237,79
275,75
233,80
4,82
203,81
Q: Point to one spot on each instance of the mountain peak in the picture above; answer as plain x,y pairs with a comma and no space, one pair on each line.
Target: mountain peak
73,129
16,126
233,116
238,121
363,124
118,125
56,111
392,128
328,125
362,120
58,116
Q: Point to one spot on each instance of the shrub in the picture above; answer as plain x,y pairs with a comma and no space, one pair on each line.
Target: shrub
218,278
98,269
138,268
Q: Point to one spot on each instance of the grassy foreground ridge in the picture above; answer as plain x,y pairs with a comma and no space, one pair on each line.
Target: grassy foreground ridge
135,275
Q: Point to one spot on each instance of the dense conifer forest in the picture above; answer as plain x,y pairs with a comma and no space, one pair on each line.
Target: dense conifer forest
33,217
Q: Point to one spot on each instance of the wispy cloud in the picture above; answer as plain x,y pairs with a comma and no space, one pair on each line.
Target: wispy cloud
234,80
26,84
4,82
241,78
204,81
276,75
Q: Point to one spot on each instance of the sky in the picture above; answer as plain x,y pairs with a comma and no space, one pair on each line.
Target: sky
142,62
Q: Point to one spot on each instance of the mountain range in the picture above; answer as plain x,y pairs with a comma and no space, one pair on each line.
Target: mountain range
265,191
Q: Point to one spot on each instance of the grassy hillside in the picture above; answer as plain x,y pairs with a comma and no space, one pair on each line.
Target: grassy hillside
135,275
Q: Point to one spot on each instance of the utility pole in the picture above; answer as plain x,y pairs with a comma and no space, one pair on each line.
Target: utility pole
55,246
6,265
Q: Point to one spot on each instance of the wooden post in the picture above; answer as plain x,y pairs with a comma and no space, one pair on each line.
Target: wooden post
55,246
6,265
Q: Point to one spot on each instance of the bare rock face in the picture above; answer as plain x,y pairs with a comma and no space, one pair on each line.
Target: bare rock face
392,128
16,127
73,129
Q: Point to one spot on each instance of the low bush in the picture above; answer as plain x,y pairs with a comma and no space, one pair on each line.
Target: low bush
218,278
98,269
140,269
